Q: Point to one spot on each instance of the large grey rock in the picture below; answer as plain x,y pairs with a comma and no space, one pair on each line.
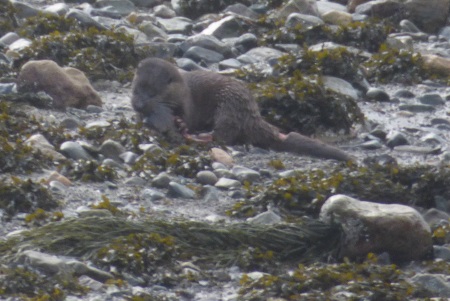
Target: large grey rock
230,26
340,86
205,41
306,21
307,7
371,227
200,54
429,15
380,8
435,284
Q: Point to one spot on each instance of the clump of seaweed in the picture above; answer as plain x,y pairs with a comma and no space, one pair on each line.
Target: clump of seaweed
88,171
182,160
98,53
306,192
26,284
393,65
44,24
7,19
26,196
319,282
300,103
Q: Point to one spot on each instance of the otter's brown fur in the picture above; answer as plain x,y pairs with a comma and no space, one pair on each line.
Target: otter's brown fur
207,101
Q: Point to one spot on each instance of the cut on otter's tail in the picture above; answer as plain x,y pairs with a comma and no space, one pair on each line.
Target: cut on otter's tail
297,143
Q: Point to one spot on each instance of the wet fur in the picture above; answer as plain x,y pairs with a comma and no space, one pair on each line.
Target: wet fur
207,101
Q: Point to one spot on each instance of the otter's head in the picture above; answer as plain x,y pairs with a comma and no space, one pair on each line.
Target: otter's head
158,92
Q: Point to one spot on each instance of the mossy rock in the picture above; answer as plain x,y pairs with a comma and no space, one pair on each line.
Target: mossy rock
18,195
300,103
99,54
393,65
306,192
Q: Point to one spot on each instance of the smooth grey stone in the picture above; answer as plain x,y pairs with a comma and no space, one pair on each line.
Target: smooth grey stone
224,173
176,25
396,139
112,149
180,191
20,44
135,181
437,121
9,38
244,42
84,19
98,124
188,64
152,194
379,8
70,123
377,95
416,108
244,174
340,86
151,148
210,194
112,163
305,21
242,10
379,133
433,138
431,99
372,144
206,177
139,37
218,165
146,3
94,109
152,31
94,212
207,42
418,149
75,151
115,8
436,284
228,27
227,183
435,217
200,54
265,218
264,54
288,173
58,8
441,252
404,94
7,88
229,64
129,157
162,180
163,11
57,186
24,10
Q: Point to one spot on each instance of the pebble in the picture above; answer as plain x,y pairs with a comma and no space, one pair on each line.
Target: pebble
206,177
431,99
377,95
210,194
177,190
244,174
162,180
112,149
417,108
395,139
265,218
227,183
75,151
152,194
436,284
135,181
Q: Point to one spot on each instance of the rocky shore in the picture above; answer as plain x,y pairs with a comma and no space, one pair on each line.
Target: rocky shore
95,206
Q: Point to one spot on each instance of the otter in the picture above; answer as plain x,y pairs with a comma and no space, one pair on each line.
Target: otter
179,103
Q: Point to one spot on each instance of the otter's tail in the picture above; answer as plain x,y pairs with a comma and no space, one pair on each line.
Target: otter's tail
297,143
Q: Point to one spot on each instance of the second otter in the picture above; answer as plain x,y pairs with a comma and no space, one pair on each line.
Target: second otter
206,101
